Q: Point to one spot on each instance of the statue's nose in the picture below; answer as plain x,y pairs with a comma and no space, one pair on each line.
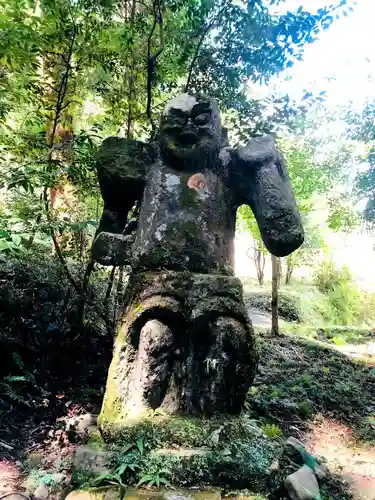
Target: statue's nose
189,135
189,125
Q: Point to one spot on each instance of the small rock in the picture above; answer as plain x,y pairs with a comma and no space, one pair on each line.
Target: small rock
292,450
295,443
322,472
41,493
90,461
274,467
215,436
302,485
81,427
34,459
59,478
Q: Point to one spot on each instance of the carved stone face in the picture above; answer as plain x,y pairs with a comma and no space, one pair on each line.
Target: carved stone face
190,128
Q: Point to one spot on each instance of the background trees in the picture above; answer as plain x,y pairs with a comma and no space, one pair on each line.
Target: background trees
74,72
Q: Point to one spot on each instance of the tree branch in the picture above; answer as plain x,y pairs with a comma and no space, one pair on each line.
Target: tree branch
151,59
210,25
58,108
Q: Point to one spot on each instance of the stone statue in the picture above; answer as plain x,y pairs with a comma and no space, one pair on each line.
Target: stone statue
185,343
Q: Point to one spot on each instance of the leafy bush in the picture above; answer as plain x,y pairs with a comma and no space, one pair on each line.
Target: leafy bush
334,299
41,337
299,379
288,306
343,293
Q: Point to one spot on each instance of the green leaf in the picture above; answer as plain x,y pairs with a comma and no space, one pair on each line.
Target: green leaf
103,477
162,480
140,445
15,378
16,238
120,471
146,479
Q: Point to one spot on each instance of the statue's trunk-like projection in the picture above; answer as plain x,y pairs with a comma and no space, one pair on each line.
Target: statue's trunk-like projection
185,343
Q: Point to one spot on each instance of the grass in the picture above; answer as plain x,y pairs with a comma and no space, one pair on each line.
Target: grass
339,335
300,302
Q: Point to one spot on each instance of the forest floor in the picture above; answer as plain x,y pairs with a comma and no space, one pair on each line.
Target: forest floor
305,388
323,394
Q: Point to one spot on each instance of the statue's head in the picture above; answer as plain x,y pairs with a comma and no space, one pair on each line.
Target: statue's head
190,129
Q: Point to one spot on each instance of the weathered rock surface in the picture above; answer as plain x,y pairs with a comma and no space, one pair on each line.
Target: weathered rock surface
103,493
322,472
81,427
59,479
42,492
113,493
90,461
302,485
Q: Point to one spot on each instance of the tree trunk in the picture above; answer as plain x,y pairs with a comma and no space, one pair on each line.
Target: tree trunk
275,295
289,272
260,262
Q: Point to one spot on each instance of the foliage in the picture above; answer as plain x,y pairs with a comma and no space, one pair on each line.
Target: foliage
334,334
341,290
126,471
230,451
316,308
272,431
302,379
38,325
74,72
362,128
288,306
313,176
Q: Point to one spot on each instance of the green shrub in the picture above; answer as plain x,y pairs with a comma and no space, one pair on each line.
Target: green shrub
288,305
41,338
342,292
272,431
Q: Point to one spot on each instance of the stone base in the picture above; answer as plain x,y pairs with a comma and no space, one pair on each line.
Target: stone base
113,493
184,452
185,345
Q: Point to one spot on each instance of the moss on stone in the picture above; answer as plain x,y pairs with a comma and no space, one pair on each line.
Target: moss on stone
123,159
233,452
188,196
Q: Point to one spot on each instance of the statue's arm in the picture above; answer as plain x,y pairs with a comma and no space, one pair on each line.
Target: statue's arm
112,249
260,179
121,166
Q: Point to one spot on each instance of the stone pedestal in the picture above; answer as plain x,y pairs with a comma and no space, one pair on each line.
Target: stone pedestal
185,345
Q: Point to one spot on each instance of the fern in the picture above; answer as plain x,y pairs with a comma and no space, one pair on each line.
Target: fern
18,360
155,479
7,391
16,378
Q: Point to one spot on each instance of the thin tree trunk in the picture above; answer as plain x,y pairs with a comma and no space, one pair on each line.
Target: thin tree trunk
275,295
289,272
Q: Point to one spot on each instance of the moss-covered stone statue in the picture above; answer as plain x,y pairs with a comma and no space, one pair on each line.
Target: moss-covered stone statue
185,343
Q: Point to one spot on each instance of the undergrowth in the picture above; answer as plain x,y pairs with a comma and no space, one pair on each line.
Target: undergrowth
317,304
299,379
42,343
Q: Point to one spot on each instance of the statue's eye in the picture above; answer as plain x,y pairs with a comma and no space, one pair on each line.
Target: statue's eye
177,119
202,119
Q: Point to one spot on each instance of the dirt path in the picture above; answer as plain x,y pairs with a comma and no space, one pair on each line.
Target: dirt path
259,318
345,456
